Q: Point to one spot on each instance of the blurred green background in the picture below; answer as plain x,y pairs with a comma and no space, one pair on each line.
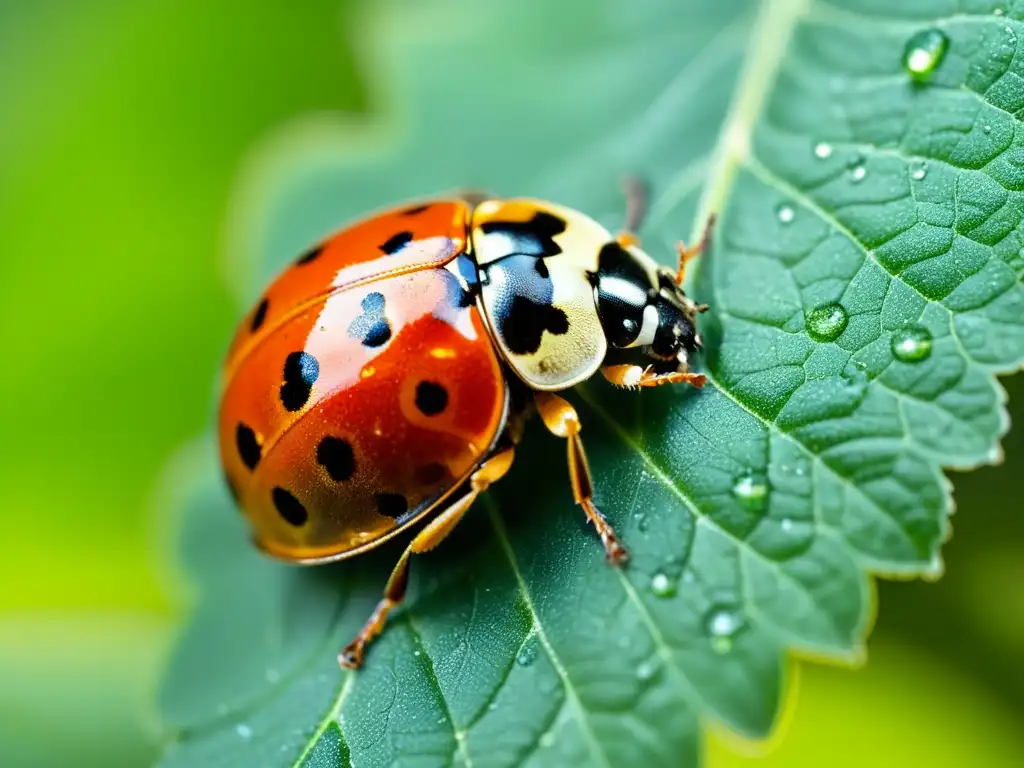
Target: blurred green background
124,126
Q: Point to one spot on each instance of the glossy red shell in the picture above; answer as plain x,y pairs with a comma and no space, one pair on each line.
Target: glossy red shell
362,389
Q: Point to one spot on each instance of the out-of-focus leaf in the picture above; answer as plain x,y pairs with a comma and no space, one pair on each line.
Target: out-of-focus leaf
864,289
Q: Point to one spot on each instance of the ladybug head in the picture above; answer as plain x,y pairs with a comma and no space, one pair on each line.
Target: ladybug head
643,309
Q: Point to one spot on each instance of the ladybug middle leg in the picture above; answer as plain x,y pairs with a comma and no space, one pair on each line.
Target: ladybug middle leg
561,420
433,534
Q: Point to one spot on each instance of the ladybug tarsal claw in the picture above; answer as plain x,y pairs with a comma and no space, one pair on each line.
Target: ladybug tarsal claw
351,657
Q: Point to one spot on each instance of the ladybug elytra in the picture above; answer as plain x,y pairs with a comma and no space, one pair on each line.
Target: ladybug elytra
384,377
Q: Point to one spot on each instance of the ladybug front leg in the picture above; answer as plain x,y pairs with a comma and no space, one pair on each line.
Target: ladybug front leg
433,534
561,420
630,376
686,253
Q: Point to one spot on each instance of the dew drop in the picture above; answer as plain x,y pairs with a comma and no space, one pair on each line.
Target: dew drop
786,525
662,585
986,128
912,344
528,653
785,213
722,625
492,706
822,150
688,577
646,670
273,675
919,172
751,491
826,322
547,740
923,52
243,730
857,173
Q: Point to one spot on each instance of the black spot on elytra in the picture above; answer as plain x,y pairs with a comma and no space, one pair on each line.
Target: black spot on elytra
311,255
395,243
259,315
414,211
463,291
371,327
529,238
523,325
431,474
249,449
336,456
391,504
301,371
289,507
431,398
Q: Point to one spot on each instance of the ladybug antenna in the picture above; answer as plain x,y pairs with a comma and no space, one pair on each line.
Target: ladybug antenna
636,203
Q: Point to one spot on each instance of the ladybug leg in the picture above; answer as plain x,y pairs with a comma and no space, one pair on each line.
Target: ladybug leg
687,253
433,534
561,420
630,376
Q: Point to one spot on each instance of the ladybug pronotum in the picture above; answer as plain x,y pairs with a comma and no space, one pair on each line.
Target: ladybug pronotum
384,377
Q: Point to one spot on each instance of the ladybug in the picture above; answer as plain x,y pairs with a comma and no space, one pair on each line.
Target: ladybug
384,377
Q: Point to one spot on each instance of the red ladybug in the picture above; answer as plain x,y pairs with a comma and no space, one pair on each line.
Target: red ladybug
384,376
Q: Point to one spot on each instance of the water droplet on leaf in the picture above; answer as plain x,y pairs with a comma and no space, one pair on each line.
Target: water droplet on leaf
547,740
751,491
243,730
826,322
857,173
785,213
786,525
919,172
912,344
923,53
722,625
646,670
662,585
273,675
528,653
822,150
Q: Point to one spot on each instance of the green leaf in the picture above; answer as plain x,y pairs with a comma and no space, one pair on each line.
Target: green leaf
862,214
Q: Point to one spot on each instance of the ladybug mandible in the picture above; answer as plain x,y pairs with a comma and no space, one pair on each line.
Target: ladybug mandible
385,375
